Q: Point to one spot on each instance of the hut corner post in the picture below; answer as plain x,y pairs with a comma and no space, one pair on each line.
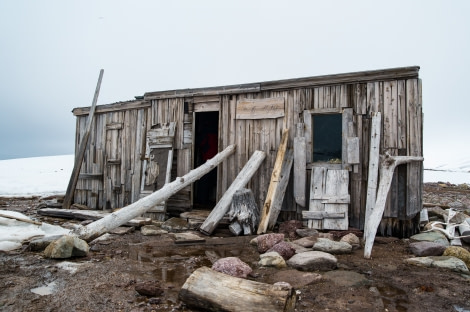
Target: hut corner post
115,219
388,165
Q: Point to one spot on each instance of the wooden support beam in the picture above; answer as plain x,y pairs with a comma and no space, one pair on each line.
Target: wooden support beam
274,185
300,163
373,166
81,151
117,218
320,215
388,165
214,291
240,181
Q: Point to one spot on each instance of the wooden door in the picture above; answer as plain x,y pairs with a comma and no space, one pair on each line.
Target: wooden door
156,167
329,199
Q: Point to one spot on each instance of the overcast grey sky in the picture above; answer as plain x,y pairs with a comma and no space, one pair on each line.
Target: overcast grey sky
51,53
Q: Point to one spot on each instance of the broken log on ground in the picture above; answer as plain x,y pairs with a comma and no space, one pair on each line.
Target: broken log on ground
240,181
213,291
117,218
387,167
243,213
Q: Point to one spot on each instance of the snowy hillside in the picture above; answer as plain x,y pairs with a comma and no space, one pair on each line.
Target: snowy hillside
35,176
50,175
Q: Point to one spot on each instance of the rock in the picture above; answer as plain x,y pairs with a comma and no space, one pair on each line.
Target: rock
423,249
306,232
284,249
298,248
313,261
456,204
296,278
121,230
329,236
430,225
232,266
267,241
149,288
444,262
149,230
41,243
433,236
460,253
437,212
65,247
175,225
352,240
337,248
346,278
289,228
254,241
186,236
273,259
306,242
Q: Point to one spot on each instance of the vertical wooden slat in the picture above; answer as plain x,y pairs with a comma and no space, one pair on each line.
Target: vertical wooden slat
401,107
390,115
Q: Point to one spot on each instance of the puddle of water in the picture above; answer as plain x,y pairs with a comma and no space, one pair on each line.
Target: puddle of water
394,299
45,290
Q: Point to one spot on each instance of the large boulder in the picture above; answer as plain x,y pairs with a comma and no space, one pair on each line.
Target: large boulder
232,266
433,236
272,259
289,228
458,252
444,262
313,261
65,247
337,248
267,241
284,249
423,249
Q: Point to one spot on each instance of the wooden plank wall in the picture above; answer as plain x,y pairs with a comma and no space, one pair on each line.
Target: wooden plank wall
111,169
116,152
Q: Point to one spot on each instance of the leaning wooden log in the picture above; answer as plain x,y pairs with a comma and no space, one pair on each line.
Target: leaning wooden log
117,218
81,150
213,291
240,181
387,167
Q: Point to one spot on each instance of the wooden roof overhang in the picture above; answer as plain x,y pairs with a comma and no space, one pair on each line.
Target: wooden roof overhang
354,77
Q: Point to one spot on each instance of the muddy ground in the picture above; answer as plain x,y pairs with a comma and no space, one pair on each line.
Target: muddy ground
105,280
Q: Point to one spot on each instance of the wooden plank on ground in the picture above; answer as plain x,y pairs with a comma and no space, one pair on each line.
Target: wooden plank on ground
80,214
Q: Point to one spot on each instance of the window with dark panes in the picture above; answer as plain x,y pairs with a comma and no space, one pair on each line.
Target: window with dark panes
327,138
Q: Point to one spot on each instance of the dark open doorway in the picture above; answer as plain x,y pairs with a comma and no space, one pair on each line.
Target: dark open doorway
205,147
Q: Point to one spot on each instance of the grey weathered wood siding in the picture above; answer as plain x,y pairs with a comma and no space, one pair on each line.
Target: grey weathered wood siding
111,170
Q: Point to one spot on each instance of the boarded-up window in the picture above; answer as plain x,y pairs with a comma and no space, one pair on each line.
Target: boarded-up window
327,137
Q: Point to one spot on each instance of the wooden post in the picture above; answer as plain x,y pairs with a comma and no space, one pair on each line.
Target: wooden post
139,207
373,167
274,184
81,151
240,181
300,162
388,165
214,291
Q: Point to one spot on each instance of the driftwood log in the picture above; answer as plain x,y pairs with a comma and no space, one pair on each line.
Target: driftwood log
388,165
213,291
224,203
115,219
243,213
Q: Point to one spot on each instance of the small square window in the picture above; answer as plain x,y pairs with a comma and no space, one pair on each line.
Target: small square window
327,138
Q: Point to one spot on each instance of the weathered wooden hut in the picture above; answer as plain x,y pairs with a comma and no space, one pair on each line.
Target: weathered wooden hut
136,146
